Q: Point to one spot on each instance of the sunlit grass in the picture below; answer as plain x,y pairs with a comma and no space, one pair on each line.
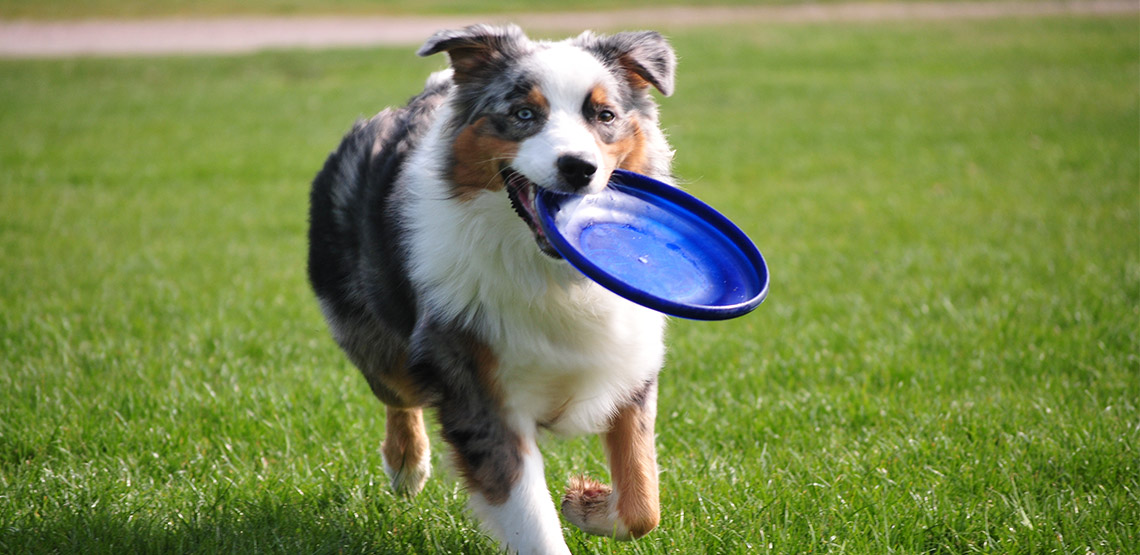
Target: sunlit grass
947,361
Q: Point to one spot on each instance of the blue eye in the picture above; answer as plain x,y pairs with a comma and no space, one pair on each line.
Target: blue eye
524,114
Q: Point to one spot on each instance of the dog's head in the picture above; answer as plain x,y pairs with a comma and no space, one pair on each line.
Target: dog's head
562,116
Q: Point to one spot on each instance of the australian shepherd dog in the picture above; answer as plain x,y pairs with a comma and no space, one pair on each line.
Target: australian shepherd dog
441,287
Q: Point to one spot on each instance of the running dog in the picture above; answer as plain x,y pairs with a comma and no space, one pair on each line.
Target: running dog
440,286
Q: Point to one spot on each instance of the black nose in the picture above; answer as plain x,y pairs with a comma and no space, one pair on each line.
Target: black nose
575,171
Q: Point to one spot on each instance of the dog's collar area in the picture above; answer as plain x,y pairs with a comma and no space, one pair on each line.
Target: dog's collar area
522,192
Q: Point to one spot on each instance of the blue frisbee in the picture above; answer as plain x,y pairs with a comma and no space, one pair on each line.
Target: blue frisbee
657,246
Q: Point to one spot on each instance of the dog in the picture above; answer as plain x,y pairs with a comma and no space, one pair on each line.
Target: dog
437,281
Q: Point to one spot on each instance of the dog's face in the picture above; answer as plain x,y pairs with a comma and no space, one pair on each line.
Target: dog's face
560,116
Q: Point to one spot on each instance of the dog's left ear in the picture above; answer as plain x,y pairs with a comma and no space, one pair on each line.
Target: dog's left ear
645,56
477,51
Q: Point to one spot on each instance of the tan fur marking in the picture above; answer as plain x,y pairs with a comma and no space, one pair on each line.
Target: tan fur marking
598,96
392,384
478,156
636,81
486,372
399,380
633,465
634,157
405,441
588,497
628,152
535,98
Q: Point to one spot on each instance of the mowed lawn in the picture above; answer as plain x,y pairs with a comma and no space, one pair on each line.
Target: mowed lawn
947,360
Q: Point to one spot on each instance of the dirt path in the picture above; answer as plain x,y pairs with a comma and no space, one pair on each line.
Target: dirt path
23,39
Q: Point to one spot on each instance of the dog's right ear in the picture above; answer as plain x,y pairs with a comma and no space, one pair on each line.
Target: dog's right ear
645,56
477,51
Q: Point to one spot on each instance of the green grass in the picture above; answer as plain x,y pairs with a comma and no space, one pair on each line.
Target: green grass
947,362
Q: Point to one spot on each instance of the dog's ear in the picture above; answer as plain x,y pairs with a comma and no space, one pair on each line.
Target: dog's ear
478,50
645,56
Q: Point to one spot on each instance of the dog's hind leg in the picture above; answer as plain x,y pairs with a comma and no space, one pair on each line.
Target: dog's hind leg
407,454
632,507
379,354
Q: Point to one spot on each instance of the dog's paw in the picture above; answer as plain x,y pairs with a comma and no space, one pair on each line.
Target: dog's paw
592,506
410,476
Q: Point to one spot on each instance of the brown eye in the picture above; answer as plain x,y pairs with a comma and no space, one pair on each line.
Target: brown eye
606,116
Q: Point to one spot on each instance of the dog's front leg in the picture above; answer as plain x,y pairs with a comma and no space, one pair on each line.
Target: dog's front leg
632,507
504,473
496,453
521,513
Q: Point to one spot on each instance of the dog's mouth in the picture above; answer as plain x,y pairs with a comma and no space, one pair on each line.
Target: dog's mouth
522,193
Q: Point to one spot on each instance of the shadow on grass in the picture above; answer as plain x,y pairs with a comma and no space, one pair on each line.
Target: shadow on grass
323,524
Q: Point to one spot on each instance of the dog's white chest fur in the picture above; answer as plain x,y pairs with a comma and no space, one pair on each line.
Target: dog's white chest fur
568,351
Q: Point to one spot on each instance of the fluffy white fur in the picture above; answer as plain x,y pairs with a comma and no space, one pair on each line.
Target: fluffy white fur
528,521
564,132
569,350
565,344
